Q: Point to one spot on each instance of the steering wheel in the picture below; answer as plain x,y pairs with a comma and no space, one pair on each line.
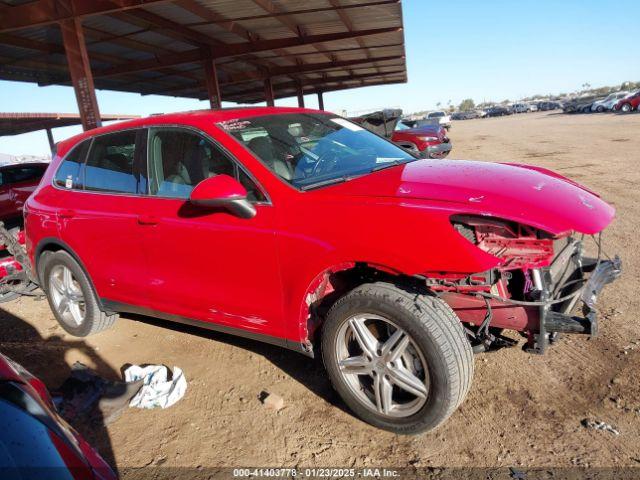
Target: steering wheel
322,159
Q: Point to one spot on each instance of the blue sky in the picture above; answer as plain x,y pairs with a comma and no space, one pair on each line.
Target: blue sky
483,49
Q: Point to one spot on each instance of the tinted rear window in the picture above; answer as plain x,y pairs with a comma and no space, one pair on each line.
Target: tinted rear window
68,174
113,165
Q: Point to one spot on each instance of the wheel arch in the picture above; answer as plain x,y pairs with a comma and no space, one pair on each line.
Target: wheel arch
337,280
52,244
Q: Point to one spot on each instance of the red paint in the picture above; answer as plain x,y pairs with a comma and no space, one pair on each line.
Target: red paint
472,309
422,137
13,194
633,101
220,187
256,273
80,458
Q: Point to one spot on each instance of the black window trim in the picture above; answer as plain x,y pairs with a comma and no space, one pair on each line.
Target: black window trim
237,163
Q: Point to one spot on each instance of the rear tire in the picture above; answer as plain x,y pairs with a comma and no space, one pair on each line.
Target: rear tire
626,107
71,295
436,352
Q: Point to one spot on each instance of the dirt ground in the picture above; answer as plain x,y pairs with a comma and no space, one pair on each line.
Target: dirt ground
522,410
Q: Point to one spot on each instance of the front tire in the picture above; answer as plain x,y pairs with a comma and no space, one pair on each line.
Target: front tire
626,107
400,360
71,295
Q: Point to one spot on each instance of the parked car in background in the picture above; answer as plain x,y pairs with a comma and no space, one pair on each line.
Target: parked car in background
520,108
628,103
466,115
35,442
428,141
381,122
16,184
305,229
548,106
441,118
498,111
609,102
581,104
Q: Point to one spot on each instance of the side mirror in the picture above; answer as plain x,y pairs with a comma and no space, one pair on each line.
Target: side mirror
223,191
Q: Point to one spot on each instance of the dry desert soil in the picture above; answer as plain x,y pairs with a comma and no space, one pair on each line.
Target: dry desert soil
522,410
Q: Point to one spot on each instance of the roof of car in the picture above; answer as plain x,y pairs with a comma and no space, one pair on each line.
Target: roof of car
24,164
188,118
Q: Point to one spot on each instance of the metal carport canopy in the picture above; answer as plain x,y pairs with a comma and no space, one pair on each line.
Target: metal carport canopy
243,51
16,123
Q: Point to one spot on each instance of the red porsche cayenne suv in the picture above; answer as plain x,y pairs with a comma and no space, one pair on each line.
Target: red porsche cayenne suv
302,229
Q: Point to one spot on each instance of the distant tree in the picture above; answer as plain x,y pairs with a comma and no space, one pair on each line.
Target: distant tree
438,104
466,105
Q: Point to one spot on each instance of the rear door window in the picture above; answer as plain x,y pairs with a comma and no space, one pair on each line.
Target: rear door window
69,171
116,165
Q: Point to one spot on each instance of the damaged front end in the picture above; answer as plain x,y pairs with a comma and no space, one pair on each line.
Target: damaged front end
16,275
535,289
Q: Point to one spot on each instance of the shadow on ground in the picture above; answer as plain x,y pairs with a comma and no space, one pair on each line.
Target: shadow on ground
307,371
45,358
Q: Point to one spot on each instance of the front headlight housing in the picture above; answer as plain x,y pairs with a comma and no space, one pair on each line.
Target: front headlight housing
517,246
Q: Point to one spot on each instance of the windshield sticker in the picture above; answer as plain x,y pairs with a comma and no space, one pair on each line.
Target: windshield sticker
347,124
235,124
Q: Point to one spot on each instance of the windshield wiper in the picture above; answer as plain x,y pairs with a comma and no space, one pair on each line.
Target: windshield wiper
329,181
389,165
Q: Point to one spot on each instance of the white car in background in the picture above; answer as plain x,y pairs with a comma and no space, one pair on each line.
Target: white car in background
440,118
608,103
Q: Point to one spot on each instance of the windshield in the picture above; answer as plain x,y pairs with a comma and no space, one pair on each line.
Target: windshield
436,114
311,150
402,126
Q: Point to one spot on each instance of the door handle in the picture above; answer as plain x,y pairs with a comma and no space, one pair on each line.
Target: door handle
67,213
147,220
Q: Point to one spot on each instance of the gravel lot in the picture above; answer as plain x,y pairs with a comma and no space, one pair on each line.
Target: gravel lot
522,410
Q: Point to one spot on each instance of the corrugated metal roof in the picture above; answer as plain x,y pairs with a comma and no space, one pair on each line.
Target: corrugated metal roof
159,46
15,123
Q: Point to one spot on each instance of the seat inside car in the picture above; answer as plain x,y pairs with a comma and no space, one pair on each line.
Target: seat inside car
264,149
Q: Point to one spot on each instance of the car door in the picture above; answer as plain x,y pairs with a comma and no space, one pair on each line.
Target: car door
102,187
208,264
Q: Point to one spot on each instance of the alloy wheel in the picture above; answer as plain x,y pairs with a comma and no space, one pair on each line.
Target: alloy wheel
67,296
382,365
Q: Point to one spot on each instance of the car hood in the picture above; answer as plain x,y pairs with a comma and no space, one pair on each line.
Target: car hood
527,194
424,130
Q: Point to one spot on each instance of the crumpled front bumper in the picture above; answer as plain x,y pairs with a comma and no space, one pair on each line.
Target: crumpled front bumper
575,278
557,290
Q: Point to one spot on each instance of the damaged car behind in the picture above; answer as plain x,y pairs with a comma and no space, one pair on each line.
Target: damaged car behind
304,230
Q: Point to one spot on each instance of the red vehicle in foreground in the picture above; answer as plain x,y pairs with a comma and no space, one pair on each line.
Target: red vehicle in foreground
300,228
627,104
35,442
428,141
